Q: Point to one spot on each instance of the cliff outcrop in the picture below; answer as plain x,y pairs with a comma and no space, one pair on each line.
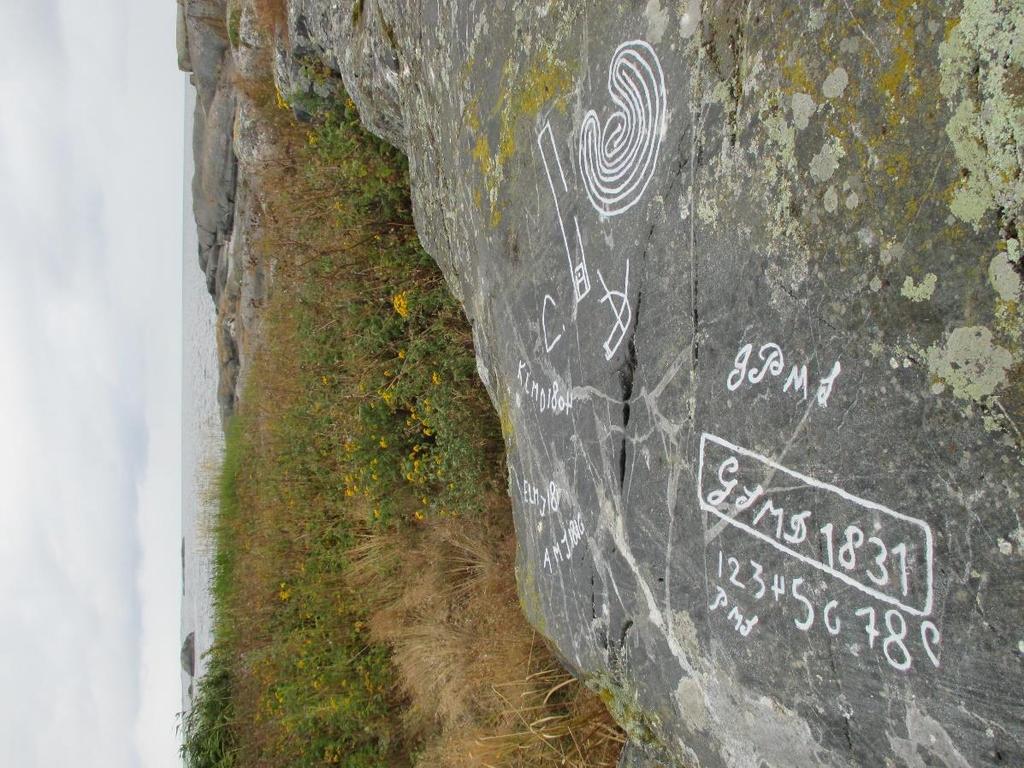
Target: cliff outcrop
225,139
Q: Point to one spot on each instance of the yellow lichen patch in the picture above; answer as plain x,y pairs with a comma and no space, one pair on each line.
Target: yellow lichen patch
472,116
505,417
522,96
892,66
893,77
795,73
897,168
547,80
904,53
482,154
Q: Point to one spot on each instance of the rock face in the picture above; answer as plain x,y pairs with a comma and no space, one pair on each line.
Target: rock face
745,286
222,200
188,654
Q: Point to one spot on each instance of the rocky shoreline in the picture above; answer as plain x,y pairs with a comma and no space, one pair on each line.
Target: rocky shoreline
226,147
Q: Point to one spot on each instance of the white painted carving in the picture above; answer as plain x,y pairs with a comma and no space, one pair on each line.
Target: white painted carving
548,344
545,397
619,303
884,555
750,370
886,630
825,385
841,555
547,499
562,547
618,157
578,272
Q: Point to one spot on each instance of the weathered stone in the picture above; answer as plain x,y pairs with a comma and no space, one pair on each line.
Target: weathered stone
225,132
238,305
181,39
205,34
358,40
216,174
253,40
768,503
796,280
306,70
188,654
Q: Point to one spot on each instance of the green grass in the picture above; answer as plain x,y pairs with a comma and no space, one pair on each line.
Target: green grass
228,515
234,25
365,603
208,738
362,407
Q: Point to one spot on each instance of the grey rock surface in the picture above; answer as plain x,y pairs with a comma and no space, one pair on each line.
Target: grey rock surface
203,44
745,287
181,39
188,654
246,288
215,180
228,145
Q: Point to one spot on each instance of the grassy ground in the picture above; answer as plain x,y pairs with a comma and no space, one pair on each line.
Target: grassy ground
365,603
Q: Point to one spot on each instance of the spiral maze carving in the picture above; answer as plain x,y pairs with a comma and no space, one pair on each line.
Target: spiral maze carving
618,158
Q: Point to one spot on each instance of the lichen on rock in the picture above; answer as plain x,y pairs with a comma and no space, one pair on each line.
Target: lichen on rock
982,69
970,363
919,291
822,219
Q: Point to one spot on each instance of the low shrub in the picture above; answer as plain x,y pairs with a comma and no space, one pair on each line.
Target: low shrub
365,600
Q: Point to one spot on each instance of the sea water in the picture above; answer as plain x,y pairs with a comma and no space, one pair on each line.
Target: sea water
201,435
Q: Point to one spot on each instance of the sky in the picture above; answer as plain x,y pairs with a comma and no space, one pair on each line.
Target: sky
90,383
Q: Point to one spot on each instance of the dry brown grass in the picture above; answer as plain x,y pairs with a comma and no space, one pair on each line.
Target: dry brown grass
475,685
273,14
472,685
482,687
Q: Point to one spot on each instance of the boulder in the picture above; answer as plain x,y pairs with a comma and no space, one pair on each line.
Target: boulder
204,49
243,291
216,176
744,280
224,130
203,32
359,42
188,654
305,68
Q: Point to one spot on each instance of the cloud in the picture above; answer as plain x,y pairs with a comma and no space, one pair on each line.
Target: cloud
90,216
76,449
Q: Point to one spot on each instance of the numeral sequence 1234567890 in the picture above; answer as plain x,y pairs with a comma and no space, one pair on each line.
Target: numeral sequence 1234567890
881,626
